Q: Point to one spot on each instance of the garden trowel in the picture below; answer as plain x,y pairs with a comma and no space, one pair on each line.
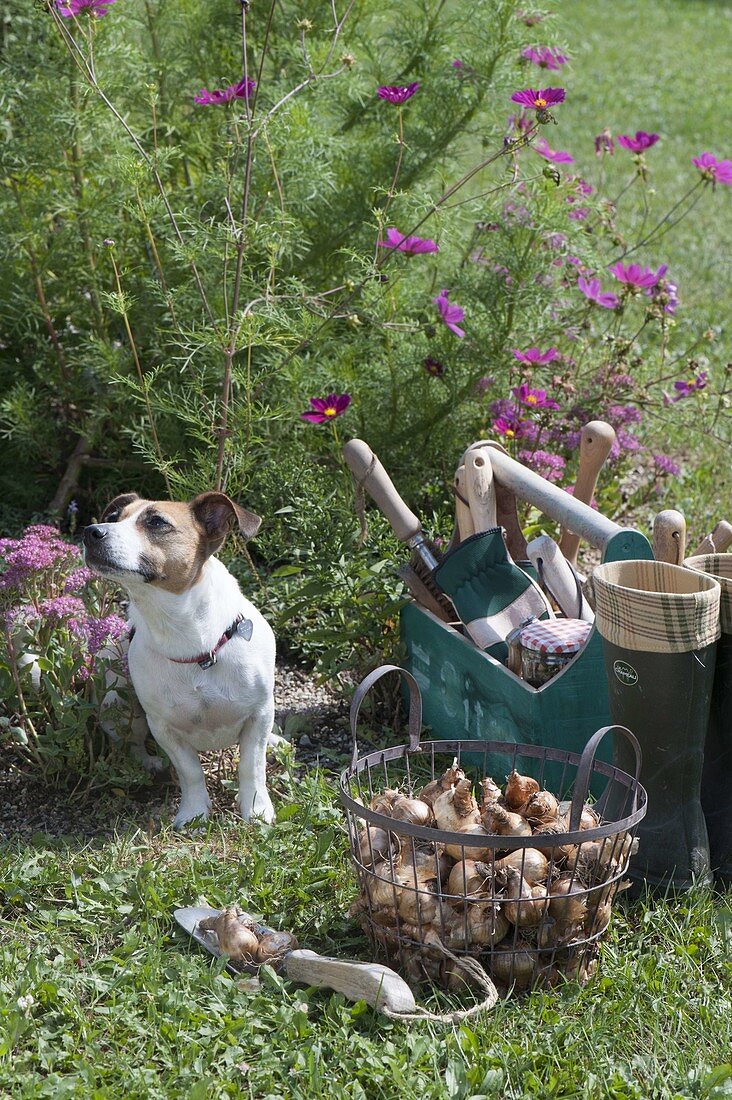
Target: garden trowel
379,986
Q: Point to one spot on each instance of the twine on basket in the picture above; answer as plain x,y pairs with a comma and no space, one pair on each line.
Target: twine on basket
477,974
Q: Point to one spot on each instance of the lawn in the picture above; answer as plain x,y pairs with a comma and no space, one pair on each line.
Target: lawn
125,1006
101,997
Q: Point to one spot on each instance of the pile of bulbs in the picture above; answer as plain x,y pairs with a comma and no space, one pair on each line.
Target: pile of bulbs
532,914
247,943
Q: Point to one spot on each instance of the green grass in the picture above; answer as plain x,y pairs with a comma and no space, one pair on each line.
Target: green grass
664,68
126,1006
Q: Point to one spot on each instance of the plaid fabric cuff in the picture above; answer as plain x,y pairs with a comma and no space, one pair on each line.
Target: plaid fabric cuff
656,607
719,567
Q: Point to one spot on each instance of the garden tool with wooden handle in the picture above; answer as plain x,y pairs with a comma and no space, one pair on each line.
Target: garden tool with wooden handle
492,595
595,443
669,537
717,542
506,512
558,576
463,528
371,476
371,982
481,489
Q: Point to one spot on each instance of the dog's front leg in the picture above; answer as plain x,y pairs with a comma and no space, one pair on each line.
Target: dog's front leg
253,799
194,800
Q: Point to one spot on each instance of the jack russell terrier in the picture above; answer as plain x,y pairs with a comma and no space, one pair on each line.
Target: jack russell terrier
201,656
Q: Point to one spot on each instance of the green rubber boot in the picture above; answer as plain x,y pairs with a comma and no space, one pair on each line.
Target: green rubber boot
716,791
659,633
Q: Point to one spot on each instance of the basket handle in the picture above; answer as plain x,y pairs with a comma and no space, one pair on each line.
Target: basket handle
415,706
584,770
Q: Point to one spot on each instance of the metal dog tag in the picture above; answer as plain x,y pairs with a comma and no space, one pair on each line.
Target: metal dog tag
246,629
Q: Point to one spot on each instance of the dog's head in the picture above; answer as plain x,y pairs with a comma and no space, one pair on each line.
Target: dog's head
160,542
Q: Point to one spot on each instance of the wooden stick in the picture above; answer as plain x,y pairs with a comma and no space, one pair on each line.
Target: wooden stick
463,517
595,443
506,513
481,491
717,542
669,537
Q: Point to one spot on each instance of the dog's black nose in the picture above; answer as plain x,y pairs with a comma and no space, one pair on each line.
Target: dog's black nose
93,534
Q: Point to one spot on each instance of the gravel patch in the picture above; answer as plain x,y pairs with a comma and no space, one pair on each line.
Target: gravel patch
314,716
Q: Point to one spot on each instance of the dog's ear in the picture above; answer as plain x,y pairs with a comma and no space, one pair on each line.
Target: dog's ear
113,509
217,514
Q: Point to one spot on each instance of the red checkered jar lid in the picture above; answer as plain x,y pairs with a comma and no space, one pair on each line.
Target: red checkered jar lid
555,636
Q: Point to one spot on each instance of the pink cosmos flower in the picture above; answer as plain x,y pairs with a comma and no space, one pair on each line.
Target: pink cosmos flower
545,58
327,408
665,293
639,143
556,156
533,399
529,18
412,245
633,275
393,93
510,427
713,170
75,7
434,367
451,314
536,358
685,389
539,99
591,289
241,90
604,143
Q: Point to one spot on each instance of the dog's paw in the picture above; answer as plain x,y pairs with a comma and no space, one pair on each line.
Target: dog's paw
256,804
190,812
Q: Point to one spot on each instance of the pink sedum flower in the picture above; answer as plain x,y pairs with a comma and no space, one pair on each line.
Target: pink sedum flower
556,156
450,314
639,143
412,245
394,93
534,357
713,170
326,408
592,290
73,8
545,58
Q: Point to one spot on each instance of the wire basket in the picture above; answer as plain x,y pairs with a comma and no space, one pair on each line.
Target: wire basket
530,909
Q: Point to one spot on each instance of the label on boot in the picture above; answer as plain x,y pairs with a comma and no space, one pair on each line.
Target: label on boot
625,673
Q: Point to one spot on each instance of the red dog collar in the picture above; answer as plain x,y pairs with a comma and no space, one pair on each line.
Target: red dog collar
240,625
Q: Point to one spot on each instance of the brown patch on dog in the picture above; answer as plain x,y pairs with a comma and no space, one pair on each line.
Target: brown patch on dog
179,537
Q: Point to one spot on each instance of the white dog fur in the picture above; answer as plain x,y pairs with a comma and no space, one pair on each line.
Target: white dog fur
182,600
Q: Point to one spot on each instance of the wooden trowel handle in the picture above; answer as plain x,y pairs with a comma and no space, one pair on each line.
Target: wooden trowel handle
595,442
718,541
368,472
669,536
371,982
481,491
